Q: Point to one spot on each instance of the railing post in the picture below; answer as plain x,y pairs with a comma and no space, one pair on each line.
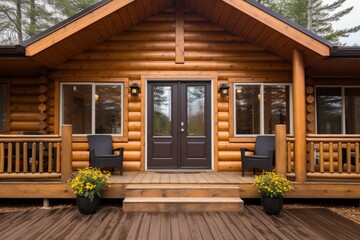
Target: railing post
66,152
280,149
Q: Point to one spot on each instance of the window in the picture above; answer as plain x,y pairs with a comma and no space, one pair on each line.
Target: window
93,108
259,107
338,110
3,102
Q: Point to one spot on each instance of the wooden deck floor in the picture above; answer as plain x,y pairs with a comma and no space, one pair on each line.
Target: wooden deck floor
112,223
168,177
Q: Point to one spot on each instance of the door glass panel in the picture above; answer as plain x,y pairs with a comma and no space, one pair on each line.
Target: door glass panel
196,111
352,110
162,110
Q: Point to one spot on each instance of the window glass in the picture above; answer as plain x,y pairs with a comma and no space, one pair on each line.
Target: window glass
276,107
328,110
352,110
2,107
247,109
90,114
108,109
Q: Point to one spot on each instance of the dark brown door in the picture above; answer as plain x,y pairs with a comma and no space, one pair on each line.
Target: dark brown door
179,125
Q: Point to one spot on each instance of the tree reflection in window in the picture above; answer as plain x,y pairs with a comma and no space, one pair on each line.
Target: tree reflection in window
162,110
196,111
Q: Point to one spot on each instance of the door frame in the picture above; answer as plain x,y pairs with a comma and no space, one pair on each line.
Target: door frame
175,78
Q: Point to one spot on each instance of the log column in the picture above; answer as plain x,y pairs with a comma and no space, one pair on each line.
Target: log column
299,116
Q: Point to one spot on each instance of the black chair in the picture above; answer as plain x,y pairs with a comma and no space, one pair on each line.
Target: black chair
102,153
263,157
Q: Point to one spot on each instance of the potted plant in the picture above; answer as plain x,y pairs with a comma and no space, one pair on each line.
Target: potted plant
88,185
272,186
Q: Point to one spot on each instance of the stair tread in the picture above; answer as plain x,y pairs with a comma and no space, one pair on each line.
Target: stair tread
183,199
130,187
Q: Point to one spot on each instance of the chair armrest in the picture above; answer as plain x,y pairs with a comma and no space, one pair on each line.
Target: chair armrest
243,150
120,150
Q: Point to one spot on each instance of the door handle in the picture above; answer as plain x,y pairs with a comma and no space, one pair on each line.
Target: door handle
182,130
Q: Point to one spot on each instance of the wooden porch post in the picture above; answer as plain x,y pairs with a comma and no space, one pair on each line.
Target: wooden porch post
280,149
299,116
66,152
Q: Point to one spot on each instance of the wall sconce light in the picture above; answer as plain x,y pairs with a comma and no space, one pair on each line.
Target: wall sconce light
224,90
135,89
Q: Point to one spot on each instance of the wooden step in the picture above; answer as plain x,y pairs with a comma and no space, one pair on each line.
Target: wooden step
182,191
183,204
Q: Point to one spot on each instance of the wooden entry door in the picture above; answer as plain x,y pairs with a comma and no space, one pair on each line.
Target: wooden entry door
179,125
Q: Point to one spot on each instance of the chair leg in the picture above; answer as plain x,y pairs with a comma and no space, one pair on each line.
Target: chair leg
243,170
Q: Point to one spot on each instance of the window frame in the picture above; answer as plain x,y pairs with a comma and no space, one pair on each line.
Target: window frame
124,90
232,98
7,106
343,109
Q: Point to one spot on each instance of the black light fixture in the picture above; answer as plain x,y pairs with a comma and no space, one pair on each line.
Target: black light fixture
224,90
135,89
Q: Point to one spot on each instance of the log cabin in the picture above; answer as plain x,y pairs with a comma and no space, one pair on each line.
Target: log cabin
181,85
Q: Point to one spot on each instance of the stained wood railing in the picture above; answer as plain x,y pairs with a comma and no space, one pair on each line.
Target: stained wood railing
36,156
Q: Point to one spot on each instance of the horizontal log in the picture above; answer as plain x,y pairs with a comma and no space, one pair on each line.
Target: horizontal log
129,146
134,116
26,117
134,126
24,107
155,26
27,99
79,164
223,116
229,156
223,106
230,166
131,166
170,65
24,126
223,136
145,36
136,45
212,37
134,135
201,27
223,126
134,107
334,175
226,146
127,55
25,90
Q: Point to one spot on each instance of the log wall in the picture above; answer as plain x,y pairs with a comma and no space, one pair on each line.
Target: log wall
149,48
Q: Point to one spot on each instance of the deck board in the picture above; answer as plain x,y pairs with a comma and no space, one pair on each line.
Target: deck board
112,223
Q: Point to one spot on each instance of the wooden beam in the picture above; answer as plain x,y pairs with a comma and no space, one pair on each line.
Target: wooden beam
75,26
179,33
280,149
299,116
280,26
66,153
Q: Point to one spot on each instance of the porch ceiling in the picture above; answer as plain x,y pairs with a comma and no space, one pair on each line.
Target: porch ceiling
243,18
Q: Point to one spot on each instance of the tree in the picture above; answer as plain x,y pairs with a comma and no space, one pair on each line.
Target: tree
22,19
314,15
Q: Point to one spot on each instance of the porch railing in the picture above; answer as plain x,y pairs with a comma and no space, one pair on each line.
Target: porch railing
36,156
328,156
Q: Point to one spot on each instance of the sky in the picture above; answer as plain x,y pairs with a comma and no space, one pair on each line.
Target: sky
348,21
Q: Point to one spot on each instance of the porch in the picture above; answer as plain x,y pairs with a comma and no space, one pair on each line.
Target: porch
328,174
112,223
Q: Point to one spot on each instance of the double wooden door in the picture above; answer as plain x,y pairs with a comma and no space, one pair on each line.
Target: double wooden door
179,125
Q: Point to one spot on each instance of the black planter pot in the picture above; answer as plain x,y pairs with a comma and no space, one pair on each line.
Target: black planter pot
272,206
86,206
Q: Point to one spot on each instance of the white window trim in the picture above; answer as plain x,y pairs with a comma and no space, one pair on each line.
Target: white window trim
343,110
262,107
93,85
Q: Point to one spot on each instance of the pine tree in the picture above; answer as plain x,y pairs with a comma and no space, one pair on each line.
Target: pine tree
315,15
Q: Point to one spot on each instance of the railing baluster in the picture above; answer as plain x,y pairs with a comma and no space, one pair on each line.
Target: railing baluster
25,158
348,157
9,166
33,158
357,170
2,157
41,157
340,157
50,158
288,157
321,149
331,157
17,157
311,156
58,163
